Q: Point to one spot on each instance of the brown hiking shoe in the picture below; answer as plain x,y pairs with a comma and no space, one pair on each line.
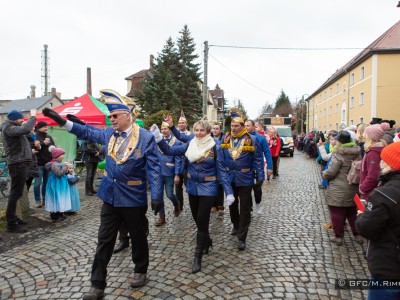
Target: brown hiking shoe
327,226
337,240
138,280
177,210
94,294
161,221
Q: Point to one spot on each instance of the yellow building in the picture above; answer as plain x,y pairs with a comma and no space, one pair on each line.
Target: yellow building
368,86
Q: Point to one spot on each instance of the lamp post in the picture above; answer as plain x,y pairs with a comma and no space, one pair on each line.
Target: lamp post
308,109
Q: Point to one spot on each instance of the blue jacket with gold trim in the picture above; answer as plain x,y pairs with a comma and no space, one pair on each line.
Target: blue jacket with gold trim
170,165
242,169
202,177
124,185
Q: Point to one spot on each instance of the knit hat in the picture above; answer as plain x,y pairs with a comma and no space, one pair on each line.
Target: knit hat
396,138
391,155
56,152
41,124
385,126
310,136
375,132
15,115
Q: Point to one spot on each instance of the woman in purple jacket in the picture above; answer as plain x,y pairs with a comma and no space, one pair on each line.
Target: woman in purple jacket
370,169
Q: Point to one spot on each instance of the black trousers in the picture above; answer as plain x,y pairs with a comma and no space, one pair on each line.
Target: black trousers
111,219
200,207
275,165
179,189
219,200
257,193
241,215
91,168
19,174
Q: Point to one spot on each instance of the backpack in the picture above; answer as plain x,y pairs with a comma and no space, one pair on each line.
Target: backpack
353,177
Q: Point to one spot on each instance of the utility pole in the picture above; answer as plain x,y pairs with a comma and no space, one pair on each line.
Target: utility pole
205,75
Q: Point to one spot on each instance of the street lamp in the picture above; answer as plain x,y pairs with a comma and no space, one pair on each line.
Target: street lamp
308,110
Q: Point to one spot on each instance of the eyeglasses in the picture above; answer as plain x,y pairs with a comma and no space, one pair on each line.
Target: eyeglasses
115,116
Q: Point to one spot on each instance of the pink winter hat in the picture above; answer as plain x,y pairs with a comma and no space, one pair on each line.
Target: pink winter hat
376,131
56,152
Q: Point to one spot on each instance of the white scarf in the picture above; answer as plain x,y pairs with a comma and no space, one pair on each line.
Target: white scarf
198,149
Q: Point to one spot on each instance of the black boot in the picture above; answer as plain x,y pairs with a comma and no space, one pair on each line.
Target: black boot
207,245
121,246
202,238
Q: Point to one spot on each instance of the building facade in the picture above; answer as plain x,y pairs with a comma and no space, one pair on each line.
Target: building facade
368,86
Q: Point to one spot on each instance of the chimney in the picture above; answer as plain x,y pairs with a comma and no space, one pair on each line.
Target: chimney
53,92
151,61
89,81
33,93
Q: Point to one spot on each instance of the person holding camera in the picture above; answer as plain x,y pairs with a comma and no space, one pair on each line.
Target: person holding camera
19,160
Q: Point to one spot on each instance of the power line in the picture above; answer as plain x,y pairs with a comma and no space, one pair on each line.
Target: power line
285,48
245,80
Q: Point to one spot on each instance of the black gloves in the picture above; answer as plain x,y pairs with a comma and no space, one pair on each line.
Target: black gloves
75,119
54,115
258,183
156,206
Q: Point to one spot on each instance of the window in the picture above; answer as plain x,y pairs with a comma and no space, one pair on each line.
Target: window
330,126
51,104
330,92
324,112
325,95
337,126
361,120
352,102
362,73
337,108
352,78
351,122
343,115
361,98
330,110
337,88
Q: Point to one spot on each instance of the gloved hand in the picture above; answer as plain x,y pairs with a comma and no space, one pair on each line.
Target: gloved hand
75,119
156,206
258,183
54,115
156,133
229,199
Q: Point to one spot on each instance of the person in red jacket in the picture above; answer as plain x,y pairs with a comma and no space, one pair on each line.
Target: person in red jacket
370,169
275,147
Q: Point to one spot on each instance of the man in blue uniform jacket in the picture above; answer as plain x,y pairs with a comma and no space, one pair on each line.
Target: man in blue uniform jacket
243,158
131,160
171,168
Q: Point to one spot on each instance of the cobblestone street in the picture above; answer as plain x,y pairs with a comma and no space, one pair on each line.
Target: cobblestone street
288,254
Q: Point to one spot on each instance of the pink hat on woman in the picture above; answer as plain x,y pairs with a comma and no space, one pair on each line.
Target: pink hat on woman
376,131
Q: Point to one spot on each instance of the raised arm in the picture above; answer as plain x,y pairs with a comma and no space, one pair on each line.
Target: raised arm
181,136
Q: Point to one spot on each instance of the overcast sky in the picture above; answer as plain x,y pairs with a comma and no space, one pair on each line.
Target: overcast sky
115,39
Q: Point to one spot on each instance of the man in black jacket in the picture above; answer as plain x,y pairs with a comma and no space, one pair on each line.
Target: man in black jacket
92,152
43,157
19,158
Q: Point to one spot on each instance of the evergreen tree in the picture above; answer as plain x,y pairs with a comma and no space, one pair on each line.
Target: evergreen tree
283,106
189,91
160,89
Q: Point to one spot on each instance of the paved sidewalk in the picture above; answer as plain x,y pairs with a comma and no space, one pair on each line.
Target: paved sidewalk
288,253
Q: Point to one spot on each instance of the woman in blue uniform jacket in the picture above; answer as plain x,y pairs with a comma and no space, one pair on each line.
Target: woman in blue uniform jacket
206,165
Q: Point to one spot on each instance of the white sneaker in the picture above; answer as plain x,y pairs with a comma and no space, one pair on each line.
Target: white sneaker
258,208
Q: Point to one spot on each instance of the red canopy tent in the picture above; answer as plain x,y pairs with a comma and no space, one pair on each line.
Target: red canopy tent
86,108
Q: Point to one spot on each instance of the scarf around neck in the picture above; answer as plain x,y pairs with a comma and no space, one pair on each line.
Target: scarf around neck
199,149
240,134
